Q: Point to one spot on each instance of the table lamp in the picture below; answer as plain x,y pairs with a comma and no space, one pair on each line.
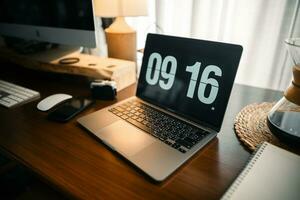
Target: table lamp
120,37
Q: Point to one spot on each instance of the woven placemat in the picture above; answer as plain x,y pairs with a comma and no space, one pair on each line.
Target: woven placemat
251,125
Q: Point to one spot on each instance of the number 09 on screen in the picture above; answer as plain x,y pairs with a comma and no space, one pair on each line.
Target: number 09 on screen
158,75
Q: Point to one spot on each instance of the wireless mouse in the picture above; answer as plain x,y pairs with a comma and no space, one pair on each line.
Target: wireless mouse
51,101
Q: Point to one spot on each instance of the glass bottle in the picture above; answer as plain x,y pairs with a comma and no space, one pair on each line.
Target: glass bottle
284,118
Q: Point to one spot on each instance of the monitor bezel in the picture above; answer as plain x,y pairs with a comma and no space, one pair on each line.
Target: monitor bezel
153,38
80,37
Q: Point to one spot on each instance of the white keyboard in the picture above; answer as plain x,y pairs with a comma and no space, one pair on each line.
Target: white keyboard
12,94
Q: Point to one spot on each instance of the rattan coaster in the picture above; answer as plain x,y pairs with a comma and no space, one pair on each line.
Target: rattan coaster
251,125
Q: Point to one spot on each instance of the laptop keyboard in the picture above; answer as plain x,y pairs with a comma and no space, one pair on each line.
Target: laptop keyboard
174,132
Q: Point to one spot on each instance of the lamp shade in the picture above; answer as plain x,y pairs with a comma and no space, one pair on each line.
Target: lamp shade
116,8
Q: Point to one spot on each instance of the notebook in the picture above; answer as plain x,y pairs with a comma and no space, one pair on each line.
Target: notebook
272,173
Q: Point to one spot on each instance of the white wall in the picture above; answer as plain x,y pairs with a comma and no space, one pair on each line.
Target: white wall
260,26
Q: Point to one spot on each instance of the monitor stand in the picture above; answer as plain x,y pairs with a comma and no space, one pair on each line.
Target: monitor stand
58,60
44,49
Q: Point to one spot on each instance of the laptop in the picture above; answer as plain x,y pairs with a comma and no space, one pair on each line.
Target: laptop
182,93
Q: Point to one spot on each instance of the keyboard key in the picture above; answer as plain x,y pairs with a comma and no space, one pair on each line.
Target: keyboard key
119,114
139,125
5,103
184,143
20,96
168,142
139,120
120,109
9,100
15,98
176,146
13,90
124,117
182,150
191,141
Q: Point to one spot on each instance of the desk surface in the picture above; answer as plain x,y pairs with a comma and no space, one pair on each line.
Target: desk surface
68,158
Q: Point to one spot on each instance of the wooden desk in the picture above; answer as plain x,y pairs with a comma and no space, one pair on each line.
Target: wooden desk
68,158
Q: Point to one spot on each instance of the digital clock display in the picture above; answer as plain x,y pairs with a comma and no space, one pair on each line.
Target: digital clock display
192,78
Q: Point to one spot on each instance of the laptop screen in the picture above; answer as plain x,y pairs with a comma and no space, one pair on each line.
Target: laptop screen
189,77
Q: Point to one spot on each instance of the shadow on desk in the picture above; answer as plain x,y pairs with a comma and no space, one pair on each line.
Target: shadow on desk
17,182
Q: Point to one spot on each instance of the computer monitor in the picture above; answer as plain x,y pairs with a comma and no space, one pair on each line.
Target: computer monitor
69,22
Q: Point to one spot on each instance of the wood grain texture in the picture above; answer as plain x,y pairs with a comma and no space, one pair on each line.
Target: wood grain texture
70,159
123,72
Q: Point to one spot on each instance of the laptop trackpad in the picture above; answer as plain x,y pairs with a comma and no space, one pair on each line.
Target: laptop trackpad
125,138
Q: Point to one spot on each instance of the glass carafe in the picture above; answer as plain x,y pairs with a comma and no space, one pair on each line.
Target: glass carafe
284,118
